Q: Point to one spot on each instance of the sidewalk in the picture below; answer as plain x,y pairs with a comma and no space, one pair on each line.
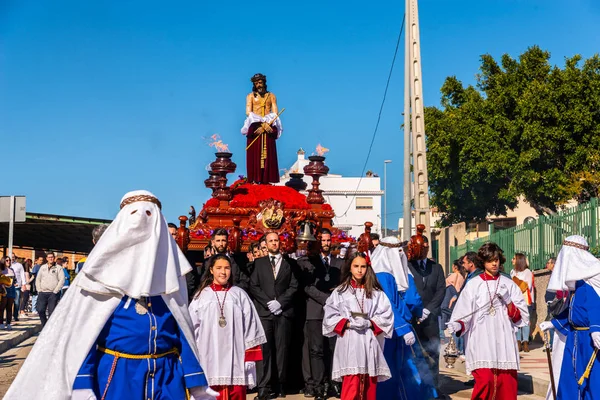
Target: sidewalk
534,376
21,330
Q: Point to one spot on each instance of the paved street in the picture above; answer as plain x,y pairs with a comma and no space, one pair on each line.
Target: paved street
11,361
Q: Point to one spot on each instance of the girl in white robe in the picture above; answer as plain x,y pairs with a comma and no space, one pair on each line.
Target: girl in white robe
228,331
360,314
488,311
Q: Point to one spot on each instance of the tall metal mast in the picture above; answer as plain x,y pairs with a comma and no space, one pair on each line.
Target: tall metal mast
413,89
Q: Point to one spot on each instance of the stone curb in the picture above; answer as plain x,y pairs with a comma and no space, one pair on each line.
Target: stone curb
20,333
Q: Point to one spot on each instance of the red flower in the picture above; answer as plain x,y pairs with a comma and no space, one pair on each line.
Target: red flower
212,203
249,195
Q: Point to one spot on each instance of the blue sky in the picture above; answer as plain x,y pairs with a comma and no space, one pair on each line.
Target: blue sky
101,97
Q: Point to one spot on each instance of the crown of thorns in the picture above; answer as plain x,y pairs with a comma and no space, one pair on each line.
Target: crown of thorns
577,245
141,197
258,77
391,245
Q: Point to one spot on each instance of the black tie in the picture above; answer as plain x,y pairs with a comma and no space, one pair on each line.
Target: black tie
423,265
273,264
326,262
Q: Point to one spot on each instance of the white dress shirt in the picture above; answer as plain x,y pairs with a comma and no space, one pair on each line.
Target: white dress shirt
278,259
19,273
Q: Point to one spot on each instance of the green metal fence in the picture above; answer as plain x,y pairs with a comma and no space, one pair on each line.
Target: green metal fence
542,238
435,249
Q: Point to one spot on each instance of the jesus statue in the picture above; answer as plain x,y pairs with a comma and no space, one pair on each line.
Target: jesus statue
262,128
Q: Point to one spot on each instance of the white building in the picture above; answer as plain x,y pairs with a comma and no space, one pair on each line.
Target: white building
354,200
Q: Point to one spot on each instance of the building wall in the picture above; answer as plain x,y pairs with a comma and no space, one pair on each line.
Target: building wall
435,217
341,193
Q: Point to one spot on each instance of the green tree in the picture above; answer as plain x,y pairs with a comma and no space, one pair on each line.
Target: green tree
526,129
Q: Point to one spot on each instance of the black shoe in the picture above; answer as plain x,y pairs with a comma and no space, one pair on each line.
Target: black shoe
281,394
470,383
335,390
309,392
264,395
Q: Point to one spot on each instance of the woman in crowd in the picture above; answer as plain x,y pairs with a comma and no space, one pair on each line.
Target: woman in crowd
451,295
228,331
457,277
487,312
523,277
8,281
26,286
360,314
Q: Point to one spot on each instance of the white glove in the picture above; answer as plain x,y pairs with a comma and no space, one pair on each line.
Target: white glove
274,306
277,312
425,314
544,326
83,394
203,393
596,339
453,327
250,367
409,339
359,324
503,294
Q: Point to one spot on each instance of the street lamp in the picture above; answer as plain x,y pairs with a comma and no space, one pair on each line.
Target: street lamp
385,163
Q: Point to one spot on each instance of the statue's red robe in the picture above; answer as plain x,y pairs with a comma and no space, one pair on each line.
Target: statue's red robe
261,156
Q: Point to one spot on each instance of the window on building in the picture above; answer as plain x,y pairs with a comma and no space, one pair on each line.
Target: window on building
364,203
504,223
478,226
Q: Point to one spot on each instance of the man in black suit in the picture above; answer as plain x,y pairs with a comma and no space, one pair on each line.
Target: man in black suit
273,285
324,272
218,243
431,285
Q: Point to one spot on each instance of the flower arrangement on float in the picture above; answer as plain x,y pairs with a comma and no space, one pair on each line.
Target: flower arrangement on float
339,236
248,195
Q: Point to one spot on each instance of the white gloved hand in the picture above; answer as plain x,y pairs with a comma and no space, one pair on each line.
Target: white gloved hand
504,294
250,368
453,327
277,312
409,339
83,394
546,325
274,306
596,339
425,314
359,324
203,393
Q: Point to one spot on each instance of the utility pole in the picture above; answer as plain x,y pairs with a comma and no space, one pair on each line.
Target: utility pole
385,163
414,127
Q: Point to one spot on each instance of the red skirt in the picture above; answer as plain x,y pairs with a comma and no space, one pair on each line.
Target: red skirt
230,392
359,387
496,384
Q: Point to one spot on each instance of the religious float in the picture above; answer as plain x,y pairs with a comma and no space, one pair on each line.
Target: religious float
249,210
257,204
